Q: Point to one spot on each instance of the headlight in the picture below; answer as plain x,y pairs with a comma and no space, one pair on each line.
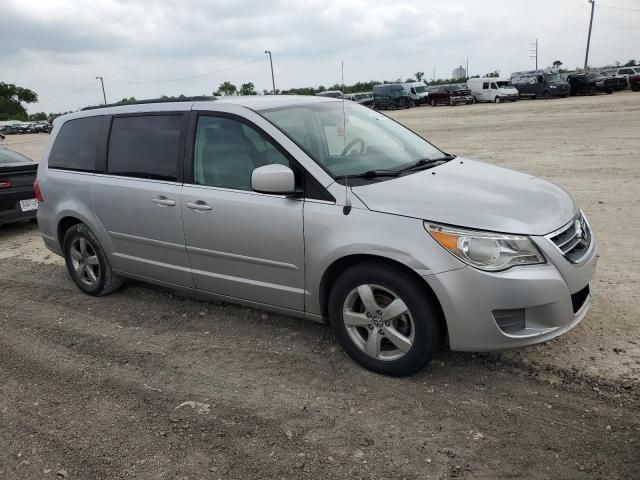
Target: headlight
485,250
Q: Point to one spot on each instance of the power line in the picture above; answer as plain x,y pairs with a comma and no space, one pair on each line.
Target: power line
619,8
67,94
186,78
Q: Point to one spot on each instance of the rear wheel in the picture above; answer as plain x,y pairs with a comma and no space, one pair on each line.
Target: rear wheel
546,95
87,262
497,99
383,319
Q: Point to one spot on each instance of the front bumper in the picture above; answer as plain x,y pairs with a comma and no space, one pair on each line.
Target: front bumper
551,299
462,99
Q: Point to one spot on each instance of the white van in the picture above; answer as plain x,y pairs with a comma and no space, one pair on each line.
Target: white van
418,92
492,89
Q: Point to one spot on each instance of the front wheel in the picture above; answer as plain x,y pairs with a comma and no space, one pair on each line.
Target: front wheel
384,320
87,262
497,100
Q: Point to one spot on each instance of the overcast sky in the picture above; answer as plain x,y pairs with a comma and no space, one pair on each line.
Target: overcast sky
58,47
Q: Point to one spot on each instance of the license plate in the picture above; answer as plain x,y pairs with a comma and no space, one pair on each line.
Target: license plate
28,205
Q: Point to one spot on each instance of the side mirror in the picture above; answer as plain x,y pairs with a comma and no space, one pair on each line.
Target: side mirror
274,178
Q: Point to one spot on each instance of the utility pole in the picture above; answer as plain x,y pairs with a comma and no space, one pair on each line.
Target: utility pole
586,55
434,74
534,52
273,80
104,95
467,71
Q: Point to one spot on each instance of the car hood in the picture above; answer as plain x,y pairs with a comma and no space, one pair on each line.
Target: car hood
474,194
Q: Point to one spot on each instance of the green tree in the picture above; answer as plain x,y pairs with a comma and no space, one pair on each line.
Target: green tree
11,99
128,100
226,88
248,89
557,63
419,76
630,63
37,117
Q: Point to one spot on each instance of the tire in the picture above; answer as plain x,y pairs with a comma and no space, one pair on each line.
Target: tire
592,91
432,102
97,278
534,96
451,104
546,95
418,330
475,100
497,99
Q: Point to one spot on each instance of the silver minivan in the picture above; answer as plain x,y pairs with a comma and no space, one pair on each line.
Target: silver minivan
317,208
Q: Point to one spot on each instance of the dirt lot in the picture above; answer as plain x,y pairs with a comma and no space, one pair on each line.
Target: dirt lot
96,388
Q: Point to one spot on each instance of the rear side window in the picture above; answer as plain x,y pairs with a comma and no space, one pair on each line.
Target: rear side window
145,146
76,144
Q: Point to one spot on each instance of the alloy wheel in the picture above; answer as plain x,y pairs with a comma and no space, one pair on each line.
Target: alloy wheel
378,322
85,261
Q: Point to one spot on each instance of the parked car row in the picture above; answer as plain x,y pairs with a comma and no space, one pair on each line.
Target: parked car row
19,128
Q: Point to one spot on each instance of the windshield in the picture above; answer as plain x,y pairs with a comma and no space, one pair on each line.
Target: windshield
505,84
421,89
362,140
554,78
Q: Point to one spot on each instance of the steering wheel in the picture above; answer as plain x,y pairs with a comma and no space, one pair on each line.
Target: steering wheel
352,144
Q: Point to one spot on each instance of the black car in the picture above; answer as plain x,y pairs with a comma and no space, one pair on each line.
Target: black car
390,95
17,197
590,83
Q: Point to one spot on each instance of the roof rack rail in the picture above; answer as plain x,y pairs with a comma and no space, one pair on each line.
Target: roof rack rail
200,98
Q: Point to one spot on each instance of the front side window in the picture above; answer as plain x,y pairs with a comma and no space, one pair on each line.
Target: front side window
494,86
228,151
76,144
145,146
352,143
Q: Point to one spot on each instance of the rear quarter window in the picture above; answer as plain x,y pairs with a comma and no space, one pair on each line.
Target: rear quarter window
76,144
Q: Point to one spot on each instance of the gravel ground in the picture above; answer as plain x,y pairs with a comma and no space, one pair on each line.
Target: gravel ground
147,384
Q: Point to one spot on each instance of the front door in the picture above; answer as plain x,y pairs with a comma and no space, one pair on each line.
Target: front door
241,244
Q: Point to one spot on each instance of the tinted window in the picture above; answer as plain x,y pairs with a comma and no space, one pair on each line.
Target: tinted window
145,146
485,85
227,151
626,71
76,145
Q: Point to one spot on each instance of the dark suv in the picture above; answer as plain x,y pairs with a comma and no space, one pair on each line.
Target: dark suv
390,95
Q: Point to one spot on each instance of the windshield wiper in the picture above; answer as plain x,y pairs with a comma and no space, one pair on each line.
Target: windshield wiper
374,174
425,162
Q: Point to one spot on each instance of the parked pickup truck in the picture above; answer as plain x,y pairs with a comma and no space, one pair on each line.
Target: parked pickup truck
449,95
591,83
634,82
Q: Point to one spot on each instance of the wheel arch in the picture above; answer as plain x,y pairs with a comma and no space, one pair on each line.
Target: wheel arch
64,225
340,265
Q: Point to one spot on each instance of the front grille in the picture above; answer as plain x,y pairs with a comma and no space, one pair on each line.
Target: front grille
574,239
578,298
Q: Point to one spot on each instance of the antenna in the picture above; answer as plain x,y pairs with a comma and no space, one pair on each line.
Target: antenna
347,198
